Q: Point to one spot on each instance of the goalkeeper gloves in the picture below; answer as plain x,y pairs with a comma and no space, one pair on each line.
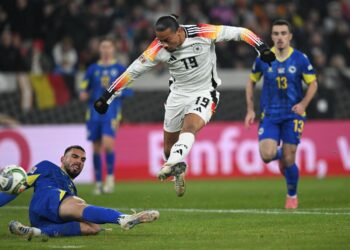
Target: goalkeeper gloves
266,54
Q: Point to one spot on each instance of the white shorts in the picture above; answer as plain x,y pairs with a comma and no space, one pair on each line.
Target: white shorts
178,105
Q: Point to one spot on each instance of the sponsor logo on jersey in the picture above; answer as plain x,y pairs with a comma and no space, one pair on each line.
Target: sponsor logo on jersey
197,48
281,70
292,69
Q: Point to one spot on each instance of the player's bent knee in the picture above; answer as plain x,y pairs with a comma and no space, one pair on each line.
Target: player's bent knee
267,156
72,208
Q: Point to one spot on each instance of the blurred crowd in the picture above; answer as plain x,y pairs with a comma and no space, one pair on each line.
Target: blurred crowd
61,37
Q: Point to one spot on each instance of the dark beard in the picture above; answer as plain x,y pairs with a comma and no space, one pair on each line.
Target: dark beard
70,173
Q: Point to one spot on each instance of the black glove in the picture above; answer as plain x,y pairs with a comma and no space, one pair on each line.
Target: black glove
101,105
266,54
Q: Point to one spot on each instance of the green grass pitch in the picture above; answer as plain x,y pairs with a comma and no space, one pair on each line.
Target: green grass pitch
220,214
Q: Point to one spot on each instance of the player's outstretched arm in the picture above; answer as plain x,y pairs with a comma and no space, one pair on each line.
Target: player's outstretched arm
227,33
6,198
144,63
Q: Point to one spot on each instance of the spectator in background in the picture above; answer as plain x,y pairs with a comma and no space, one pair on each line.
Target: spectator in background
90,53
102,129
23,19
39,63
4,19
10,59
65,56
66,59
222,12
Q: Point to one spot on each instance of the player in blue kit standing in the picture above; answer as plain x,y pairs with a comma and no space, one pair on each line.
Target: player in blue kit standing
282,104
102,128
55,208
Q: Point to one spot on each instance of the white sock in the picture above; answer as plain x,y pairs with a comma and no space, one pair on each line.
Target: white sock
110,178
181,148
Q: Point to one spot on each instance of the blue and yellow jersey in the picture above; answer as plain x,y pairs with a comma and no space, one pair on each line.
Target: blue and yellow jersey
97,78
282,82
46,175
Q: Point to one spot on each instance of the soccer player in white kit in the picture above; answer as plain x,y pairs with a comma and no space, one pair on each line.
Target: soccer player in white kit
189,53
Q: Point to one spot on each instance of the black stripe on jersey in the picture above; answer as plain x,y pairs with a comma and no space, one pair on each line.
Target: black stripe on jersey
214,96
213,83
192,31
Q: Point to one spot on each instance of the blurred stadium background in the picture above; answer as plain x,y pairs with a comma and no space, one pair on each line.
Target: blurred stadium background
46,46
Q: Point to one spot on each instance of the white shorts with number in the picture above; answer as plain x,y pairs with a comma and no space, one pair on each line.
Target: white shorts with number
178,105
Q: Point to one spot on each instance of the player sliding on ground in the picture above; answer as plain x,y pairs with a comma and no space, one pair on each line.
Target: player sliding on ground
189,53
55,208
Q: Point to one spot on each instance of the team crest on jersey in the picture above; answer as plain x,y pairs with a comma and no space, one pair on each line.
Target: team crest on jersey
292,69
114,72
309,67
197,48
270,70
261,131
32,170
142,59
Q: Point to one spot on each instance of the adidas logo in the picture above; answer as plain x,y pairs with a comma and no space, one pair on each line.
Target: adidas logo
179,151
172,58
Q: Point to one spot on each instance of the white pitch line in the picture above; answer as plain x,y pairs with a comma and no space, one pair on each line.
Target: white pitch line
254,211
307,211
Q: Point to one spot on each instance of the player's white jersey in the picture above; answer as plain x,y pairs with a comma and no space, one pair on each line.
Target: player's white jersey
192,65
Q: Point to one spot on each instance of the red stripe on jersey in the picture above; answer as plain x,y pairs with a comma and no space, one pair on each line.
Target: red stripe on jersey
209,31
120,82
153,49
213,107
250,38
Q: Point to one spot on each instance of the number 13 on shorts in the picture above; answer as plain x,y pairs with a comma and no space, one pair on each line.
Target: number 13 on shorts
298,126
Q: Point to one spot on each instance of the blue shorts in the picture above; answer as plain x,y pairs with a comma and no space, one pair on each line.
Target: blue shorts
96,129
286,130
44,207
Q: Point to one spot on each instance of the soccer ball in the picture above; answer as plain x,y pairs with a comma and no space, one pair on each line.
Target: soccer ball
13,179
